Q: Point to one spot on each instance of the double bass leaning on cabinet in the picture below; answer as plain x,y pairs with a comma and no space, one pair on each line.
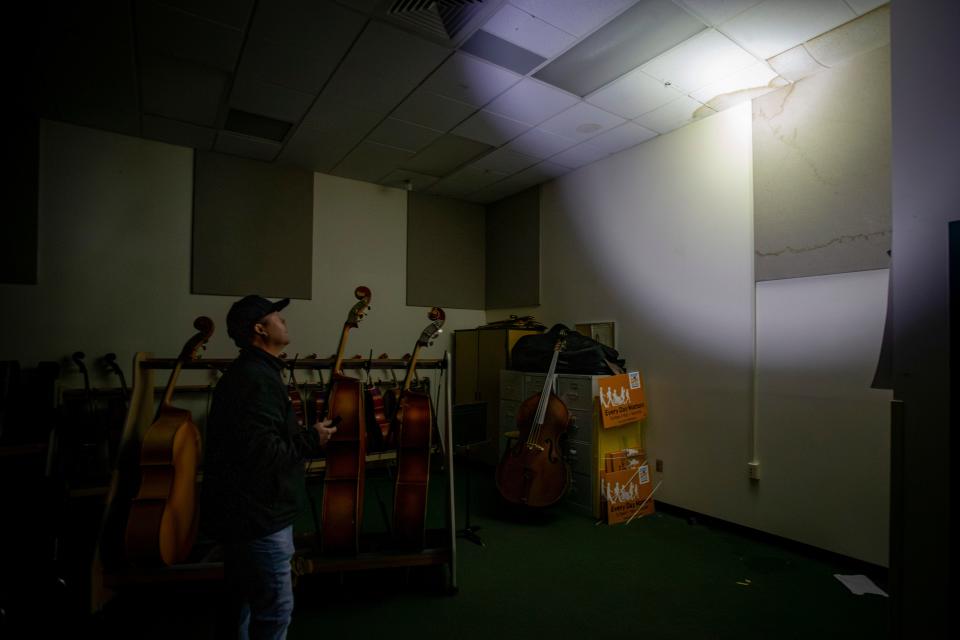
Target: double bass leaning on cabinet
253,471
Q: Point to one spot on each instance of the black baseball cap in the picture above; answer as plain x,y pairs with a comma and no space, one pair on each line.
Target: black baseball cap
248,311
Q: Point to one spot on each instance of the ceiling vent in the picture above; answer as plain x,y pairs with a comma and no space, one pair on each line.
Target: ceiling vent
449,21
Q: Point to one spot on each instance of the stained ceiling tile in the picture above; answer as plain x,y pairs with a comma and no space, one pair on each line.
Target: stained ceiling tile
703,59
858,36
795,64
640,33
716,12
527,31
470,80
774,26
539,143
490,128
505,160
237,144
581,121
432,110
673,115
574,16
445,154
633,94
747,84
532,102
403,135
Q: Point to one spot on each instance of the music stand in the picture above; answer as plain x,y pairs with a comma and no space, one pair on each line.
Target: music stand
469,428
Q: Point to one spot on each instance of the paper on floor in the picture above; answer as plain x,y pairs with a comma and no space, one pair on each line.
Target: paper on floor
860,585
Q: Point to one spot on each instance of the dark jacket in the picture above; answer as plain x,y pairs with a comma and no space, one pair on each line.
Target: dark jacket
253,468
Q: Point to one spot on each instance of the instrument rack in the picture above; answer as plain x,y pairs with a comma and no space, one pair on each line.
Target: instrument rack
441,543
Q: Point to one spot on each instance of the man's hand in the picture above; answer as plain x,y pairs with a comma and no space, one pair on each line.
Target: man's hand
325,431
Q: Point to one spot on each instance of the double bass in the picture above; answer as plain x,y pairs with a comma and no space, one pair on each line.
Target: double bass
343,481
162,522
413,424
533,472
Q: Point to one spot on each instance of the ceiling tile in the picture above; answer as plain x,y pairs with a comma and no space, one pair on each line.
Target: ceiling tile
403,135
181,90
470,80
774,26
795,64
674,115
390,53
643,31
371,161
746,84
490,128
445,154
466,181
432,110
280,64
581,121
540,144
532,102
163,30
402,179
233,13
858,36
527,31
240,145
271,100
716,12
579,155
633,94
505,160
324,28
318,150
703,59
627,135
574,16
864,6
500,52
179,133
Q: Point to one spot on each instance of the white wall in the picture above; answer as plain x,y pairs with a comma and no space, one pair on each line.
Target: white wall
114,261
659,239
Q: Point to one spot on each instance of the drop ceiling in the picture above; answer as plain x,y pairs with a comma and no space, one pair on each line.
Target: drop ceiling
471,99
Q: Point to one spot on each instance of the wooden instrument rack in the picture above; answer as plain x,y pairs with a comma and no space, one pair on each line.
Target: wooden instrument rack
108,576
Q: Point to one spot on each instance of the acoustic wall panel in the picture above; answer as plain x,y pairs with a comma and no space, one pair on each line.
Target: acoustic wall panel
513,251
252,228
445,252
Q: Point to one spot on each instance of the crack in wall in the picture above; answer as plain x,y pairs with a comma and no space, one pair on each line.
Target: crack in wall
839,239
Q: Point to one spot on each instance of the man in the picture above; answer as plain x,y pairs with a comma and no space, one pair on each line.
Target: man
253,470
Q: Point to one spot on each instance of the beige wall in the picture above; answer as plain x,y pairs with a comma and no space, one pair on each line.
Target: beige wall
114,261
659,239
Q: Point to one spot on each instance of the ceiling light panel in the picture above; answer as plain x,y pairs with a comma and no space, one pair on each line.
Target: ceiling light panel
500,52
673,115
540,144
633,94
581,121
470,80
528,31
774,26
532,102
490,128
432,110
703,59
716,12
574,16
645,30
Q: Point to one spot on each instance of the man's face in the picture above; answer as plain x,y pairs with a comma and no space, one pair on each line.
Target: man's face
276,330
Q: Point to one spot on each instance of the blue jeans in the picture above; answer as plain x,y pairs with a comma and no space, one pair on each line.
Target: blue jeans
260,589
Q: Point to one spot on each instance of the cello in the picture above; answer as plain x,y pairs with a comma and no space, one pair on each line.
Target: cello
162,522
413,424
343,481
532,472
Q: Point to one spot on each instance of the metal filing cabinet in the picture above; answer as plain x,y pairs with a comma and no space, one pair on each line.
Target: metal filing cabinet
576,392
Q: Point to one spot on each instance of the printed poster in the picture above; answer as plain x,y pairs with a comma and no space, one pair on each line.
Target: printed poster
622,399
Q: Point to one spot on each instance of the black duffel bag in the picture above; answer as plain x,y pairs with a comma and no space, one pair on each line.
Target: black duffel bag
579,355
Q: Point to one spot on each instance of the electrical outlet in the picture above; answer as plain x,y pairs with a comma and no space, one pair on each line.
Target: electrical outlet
659,466
753,470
